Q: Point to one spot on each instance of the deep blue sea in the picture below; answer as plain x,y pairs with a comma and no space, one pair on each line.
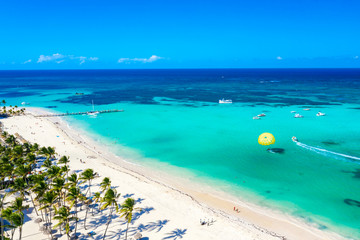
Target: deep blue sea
173,117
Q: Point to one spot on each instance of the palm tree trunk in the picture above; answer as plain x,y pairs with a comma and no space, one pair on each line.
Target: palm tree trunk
127,228
20,230
87,209
42,215
32,200
2,226
50,224
46,217
107,225
2,229
2,220
76,220
12,234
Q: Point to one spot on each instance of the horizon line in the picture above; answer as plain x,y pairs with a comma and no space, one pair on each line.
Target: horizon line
204,68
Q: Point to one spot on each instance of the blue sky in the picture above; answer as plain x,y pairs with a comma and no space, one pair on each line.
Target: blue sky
87,34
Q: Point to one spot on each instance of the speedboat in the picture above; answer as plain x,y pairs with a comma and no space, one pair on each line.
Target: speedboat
294,139
293,111
306,109
25,103
261,115
320,114
225,101
256,117
298,116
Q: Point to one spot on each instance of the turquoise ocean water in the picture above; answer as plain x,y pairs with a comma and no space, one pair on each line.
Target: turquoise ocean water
172,117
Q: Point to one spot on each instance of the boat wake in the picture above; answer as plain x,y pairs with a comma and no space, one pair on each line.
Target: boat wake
328,153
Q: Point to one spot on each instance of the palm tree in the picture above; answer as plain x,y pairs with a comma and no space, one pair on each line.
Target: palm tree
74,195
105,184
17,150
47,163
87,175
110,199
39,189
72,180
33,180
127,209
58,186
65,160
19,185
2,201
53,172
11,140
63,217
51,152
97,198
48,152
48,200
35,147
13,218
18,207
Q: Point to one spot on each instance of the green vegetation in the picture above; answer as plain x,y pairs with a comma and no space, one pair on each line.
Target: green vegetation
10,111
33,175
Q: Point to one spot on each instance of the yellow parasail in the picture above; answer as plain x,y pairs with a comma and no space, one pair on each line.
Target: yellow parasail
266,139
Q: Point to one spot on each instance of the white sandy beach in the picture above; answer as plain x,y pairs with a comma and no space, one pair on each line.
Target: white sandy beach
173,209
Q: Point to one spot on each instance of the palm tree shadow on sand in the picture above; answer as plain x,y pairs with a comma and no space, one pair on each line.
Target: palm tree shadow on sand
152,226
177,233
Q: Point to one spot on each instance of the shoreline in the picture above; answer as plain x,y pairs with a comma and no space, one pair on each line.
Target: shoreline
253,218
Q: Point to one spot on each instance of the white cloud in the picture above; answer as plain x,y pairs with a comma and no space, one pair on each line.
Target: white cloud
123,60
28,61
82,60
153,58
59,58
53,57
279,58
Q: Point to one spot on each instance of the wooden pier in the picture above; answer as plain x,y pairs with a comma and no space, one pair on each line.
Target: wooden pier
80,113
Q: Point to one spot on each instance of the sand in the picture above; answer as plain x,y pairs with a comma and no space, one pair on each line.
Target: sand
173,208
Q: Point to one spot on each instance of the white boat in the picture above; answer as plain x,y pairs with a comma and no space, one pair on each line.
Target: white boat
261,115
294,139
298,116
256,117
306,109
93,112
225,101
25,103
293,111
320,114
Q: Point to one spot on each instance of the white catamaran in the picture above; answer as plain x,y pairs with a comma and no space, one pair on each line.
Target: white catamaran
93,112
225,101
